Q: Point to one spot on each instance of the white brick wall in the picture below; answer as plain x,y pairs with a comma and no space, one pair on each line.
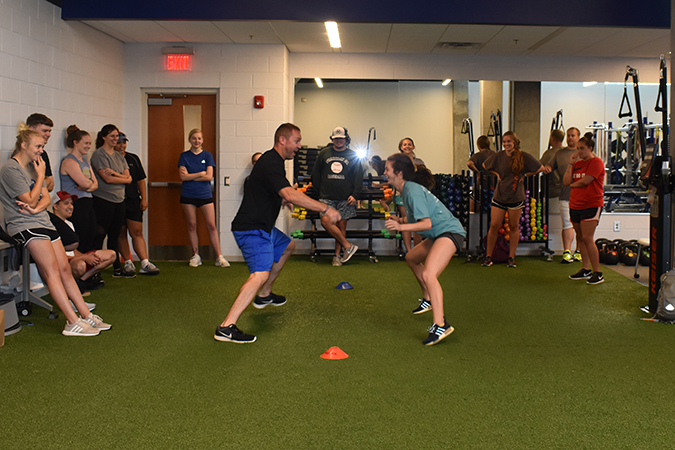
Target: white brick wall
68,71
236,73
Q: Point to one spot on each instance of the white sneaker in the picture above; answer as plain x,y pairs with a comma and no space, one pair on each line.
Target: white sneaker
222,262
195,261
34,286
129,266
149,269
79,328
336,261
97,323
348,253
90,306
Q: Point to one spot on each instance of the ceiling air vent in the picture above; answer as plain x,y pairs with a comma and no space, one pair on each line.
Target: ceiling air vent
457,45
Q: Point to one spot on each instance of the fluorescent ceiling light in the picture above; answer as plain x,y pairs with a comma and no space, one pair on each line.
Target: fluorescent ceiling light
333,34
589,83
318,82
446,81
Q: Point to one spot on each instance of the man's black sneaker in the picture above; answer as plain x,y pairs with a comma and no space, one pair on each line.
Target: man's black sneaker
596,278
424,307
91,283
437,333
97,278
233,334
487,261
121,273
582,274
271,300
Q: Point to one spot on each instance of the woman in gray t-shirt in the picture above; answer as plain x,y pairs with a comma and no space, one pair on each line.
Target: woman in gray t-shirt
24,200
112,173
511,167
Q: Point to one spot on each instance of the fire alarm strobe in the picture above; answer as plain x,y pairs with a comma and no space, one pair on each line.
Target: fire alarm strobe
259,101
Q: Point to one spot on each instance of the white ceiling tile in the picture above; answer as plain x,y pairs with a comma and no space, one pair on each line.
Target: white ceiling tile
573,40
470,33
142,30
99,25
623,41
303,36
653,49
364,37
249,32
191,31
515,40
414,38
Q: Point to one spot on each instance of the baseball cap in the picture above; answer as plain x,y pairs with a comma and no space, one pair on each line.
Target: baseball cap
339,132
122,138
62,195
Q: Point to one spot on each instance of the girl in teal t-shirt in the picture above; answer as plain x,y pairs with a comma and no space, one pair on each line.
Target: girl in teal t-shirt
443,234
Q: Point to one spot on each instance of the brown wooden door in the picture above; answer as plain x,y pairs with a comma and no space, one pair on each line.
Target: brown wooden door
167,228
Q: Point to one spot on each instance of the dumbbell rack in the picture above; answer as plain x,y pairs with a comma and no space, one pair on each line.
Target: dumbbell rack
454,192
537,186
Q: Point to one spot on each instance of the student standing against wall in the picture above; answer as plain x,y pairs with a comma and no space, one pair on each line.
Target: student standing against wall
112,173
78,180
135,203
43,125
195,168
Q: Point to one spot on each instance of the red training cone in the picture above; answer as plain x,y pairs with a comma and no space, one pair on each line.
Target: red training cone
334,353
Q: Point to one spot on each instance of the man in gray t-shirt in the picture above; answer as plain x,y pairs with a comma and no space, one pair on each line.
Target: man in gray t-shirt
554,181
559,164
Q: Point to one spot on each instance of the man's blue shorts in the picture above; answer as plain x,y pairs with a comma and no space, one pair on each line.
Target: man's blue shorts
260,248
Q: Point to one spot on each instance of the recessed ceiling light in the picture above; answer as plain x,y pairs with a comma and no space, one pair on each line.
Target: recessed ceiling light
446,81
318,82
333,34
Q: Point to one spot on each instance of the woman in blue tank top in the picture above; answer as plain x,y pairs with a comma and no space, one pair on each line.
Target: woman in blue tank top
78,179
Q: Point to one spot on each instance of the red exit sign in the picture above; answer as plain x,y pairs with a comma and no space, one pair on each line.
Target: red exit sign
177,62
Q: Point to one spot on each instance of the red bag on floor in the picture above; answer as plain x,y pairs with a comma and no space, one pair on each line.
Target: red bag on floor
500,254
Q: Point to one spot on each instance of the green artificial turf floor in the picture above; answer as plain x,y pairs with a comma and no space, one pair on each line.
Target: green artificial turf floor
537,361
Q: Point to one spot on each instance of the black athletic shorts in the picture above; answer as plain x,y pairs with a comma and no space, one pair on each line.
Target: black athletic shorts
25,236
133,209
507,206
456,239
583,215
196,201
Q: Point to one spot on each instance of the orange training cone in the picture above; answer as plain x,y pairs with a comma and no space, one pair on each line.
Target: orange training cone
334,353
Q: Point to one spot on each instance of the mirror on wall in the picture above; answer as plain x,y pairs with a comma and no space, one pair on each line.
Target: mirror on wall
431,113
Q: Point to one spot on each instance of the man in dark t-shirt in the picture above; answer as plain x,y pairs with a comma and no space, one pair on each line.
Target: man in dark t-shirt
264,247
